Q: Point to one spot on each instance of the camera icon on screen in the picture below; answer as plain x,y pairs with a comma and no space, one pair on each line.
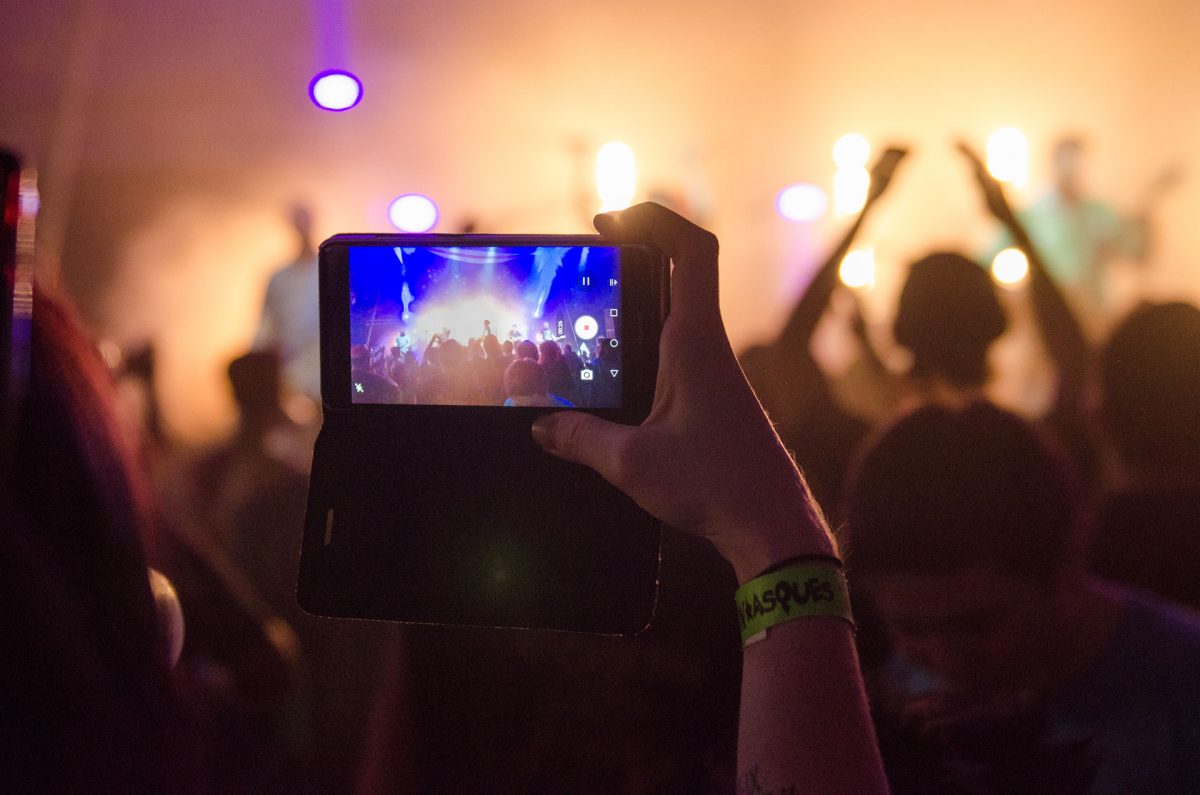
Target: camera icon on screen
585,375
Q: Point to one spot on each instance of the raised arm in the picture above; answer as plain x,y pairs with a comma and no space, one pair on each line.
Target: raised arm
797,332
708,461
1061,333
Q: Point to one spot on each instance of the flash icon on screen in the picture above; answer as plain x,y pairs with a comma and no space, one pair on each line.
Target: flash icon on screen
358,387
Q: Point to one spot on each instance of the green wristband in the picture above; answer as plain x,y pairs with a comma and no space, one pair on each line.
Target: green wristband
808,589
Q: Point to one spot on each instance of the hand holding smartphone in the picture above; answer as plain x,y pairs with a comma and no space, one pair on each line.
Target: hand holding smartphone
429,501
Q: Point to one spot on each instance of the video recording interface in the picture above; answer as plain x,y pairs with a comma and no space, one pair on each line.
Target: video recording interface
486,326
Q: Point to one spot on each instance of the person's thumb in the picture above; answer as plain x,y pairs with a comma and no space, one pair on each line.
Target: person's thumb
585,439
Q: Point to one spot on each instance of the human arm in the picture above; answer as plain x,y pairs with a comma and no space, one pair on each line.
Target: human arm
708,461
1060,330
784,373
798,331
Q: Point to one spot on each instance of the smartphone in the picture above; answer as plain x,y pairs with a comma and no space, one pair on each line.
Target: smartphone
429,501
422,313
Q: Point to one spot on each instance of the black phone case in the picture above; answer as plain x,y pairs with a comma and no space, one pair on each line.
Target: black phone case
463,520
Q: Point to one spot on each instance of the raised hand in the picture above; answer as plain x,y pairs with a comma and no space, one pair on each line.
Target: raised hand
882,171
707,459
993,192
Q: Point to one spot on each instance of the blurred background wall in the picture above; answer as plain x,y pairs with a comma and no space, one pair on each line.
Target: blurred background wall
171,138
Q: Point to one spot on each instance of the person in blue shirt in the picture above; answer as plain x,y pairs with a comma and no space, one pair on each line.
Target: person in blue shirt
1012,667
526,384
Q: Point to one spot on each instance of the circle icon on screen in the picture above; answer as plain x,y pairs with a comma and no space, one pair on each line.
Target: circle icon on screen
586,327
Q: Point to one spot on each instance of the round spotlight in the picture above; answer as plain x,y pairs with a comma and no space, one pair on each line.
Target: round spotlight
1010,267
616,176
851,151
801,202
1008,156
858,268
413,212
335,89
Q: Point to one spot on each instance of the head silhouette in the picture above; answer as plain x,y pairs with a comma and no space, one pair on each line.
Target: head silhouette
948,318
944,490
1150,380
527,349
962,533
525,382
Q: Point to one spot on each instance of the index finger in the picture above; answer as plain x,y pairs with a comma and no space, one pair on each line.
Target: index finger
693,253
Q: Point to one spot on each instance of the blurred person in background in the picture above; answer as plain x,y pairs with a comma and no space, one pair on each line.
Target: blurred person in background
1148,524
250,495
1081,237
1013,668
87,701
290,322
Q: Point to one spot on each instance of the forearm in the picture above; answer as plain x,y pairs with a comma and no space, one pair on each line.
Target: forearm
804,724
798,330
1064,339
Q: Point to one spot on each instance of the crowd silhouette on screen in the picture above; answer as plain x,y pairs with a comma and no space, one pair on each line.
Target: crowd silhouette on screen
1024,586
485,372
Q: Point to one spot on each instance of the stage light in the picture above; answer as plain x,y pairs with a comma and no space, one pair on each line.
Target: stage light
850,188
851,151
413,212
1008,156
616,176
858,268
1010,267
801,202
335,89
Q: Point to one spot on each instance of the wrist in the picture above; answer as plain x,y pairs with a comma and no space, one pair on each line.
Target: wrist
801,588
767,541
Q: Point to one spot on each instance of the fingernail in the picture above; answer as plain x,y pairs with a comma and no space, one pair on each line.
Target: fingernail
543,431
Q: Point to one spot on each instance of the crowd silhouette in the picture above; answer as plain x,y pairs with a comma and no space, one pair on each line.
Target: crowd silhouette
485,372
1024,586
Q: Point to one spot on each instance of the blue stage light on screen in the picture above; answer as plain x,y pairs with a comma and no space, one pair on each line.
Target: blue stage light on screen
335,89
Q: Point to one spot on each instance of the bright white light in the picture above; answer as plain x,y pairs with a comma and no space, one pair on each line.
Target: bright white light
858,268
616,176
851,151
413,212
1008,156
335,90
850,188
1010,267
801,202
463,316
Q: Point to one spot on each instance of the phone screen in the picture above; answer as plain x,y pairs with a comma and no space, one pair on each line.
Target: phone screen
520,325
